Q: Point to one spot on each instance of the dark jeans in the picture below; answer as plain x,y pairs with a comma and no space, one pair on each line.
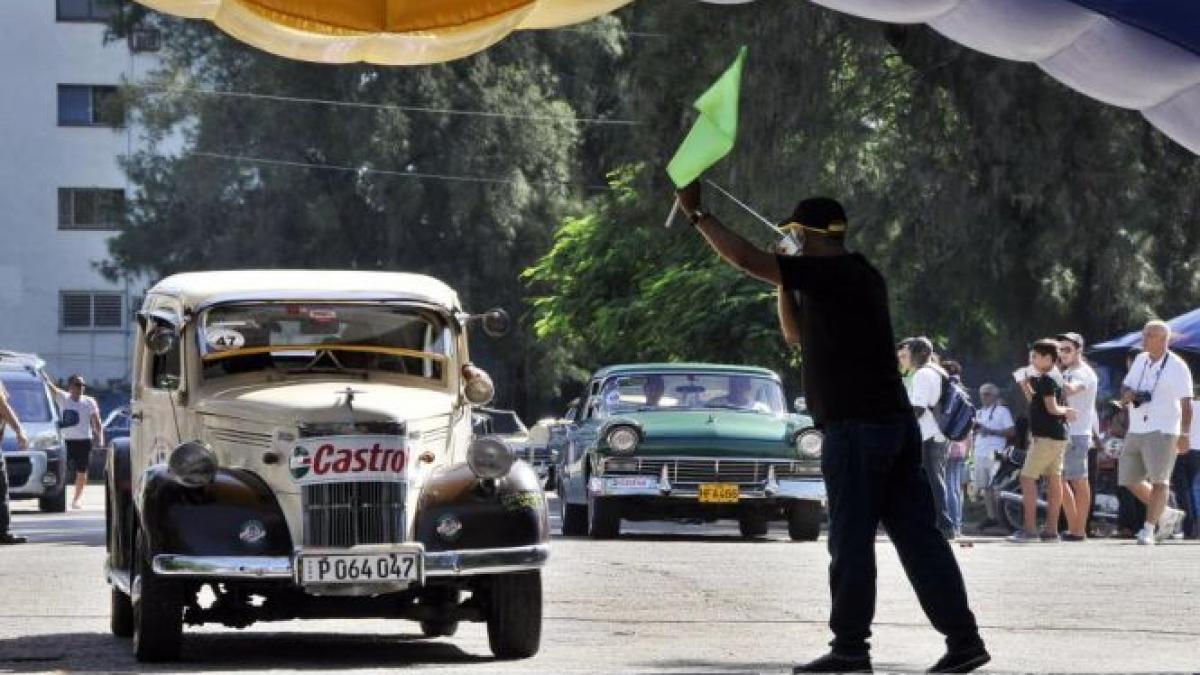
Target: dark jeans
873,475
4,516
934,457
1186,482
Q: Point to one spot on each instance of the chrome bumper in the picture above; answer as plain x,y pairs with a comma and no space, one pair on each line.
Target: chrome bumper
437,564
606,486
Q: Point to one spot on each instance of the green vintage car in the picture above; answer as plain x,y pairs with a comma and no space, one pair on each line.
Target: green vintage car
687,441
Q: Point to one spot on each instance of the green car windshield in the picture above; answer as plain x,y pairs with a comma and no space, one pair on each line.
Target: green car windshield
691,391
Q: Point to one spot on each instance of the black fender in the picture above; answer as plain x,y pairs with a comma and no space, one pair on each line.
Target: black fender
207,520
118,505
504,513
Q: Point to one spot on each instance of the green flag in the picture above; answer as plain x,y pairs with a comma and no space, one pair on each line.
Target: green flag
715,131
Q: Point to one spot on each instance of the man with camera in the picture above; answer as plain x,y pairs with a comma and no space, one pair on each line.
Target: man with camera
1158,394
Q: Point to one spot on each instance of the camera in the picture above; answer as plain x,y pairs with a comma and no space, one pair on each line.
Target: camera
1140,397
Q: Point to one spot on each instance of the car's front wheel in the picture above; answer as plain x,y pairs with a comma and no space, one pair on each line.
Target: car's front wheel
804,521
604,517
120,620
157,610
753,525
56,503
574,517
514,618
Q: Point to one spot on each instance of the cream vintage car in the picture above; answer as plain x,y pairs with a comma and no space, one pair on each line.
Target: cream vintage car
301,445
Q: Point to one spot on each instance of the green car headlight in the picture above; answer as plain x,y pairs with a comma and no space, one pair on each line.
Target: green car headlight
623,439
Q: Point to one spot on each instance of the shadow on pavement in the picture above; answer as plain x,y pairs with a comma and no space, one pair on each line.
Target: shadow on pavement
226,651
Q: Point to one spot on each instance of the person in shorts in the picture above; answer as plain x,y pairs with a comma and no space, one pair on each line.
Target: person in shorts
1157,392
1048,417
1080,387
80,436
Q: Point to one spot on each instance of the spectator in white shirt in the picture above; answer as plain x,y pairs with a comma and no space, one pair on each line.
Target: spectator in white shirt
79,437
1158,394
994,429
1079,384
925,394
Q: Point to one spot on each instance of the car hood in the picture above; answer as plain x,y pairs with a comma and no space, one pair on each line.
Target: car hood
716,432
316,402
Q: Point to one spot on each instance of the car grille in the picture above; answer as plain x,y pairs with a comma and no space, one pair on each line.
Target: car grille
19,469
341,515
741,471
238,438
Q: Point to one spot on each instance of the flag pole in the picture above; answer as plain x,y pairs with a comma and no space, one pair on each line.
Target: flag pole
742,204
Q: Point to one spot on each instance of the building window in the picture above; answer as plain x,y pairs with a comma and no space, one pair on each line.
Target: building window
86,10
90,208
91,310
89,105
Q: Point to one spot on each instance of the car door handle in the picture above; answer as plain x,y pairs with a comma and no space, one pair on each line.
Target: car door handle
136,417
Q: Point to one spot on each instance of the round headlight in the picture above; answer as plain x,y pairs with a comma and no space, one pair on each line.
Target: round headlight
490,458
808,444
193,464
623,439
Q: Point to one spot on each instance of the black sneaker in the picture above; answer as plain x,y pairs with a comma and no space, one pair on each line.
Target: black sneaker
962,660
11,539
837,663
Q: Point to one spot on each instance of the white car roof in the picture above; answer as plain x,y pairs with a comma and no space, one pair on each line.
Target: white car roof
198,289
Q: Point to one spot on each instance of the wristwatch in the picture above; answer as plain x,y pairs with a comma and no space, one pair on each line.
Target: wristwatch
697,216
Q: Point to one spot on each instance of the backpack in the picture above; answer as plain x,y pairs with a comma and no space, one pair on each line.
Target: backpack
954,412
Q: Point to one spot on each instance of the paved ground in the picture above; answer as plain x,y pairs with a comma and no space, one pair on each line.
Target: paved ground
667,599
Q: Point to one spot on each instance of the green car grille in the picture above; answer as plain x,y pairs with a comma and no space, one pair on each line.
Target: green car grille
685,471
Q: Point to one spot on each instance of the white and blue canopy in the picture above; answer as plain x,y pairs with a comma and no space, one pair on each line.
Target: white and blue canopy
1138,54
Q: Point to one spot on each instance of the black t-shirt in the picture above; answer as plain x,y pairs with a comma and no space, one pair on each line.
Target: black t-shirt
1041,423
846,340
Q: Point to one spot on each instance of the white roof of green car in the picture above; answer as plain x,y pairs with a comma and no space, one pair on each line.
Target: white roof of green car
200,289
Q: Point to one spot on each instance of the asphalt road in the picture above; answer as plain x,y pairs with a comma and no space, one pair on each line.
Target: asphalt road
663,599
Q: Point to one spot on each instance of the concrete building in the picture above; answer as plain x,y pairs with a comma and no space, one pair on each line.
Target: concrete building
63,134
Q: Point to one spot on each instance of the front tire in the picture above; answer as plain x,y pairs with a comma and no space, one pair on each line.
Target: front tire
54,503
157,611
435,629
804,521
604,517
120,620
514,621
574,517
753,525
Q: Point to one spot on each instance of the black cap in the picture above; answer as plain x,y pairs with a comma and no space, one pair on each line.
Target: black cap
820,214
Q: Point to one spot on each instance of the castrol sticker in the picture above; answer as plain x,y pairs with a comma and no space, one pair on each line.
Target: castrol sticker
330,459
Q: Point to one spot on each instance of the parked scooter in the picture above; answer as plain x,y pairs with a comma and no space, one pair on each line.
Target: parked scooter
1007,484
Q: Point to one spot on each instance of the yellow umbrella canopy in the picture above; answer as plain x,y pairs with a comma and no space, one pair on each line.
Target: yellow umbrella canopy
392,32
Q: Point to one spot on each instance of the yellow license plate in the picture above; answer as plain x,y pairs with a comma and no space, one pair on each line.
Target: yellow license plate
719,493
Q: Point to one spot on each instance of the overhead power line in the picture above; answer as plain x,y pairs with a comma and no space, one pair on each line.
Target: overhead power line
418,175
388,106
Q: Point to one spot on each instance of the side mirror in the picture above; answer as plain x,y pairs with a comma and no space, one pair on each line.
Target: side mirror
69,419
801,404
161,339
495,323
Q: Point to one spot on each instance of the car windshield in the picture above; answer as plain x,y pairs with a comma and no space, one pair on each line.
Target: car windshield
298,338
28,400
674,391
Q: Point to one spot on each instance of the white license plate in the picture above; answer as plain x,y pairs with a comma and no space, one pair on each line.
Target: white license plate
363,568
633,482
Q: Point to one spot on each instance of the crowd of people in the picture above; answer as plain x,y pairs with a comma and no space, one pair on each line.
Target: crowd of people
1153,431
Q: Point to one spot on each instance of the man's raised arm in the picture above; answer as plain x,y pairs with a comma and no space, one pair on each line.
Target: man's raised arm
733,248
